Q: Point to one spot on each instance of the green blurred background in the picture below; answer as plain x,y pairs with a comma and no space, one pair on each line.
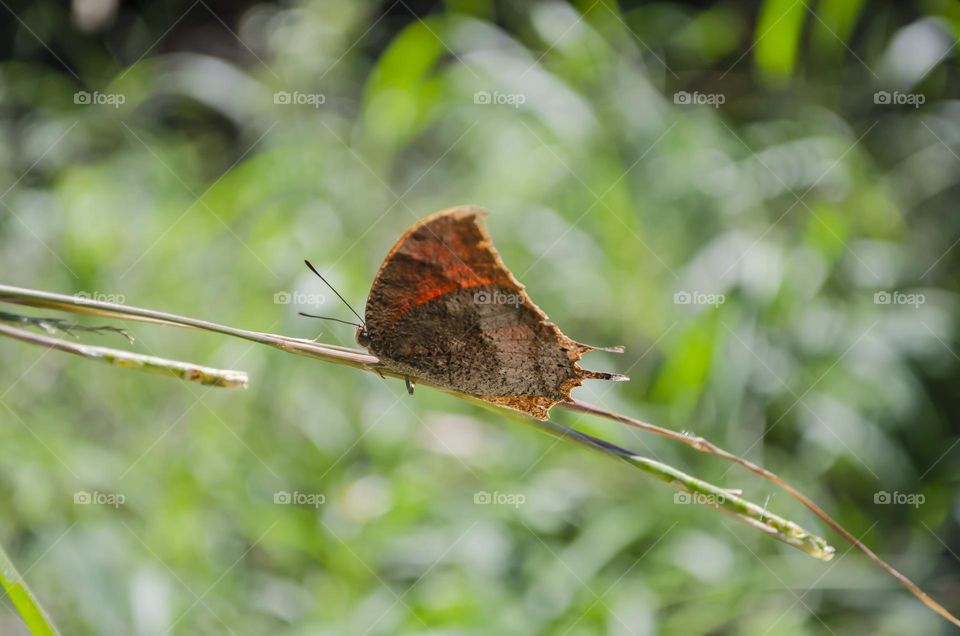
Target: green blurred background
798,158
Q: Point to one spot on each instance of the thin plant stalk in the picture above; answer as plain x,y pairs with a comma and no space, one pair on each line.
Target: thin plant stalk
710,448
118,357
81,305
700,491
363,360
723,500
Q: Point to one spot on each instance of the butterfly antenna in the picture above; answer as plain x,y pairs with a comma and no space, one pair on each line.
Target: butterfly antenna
320,276
346,322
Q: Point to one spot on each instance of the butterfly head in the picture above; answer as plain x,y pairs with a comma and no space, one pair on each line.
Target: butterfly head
363,336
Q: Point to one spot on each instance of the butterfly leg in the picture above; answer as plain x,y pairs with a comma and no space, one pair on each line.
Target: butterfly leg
409,383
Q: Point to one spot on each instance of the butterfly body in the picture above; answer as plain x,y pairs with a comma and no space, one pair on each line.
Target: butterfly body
444,308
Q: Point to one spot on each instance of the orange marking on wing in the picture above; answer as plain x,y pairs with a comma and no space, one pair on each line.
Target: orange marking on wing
429,293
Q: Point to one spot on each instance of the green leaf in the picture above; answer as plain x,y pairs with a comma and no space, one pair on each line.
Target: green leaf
35,618
778,36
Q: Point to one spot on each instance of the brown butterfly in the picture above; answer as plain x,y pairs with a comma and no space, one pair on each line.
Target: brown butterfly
444,308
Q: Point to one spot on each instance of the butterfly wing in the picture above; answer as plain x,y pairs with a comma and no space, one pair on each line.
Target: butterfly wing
444,252
444,307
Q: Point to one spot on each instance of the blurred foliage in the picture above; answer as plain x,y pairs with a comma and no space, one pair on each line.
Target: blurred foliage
799,198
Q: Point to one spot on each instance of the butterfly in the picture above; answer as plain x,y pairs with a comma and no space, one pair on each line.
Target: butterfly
445,309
